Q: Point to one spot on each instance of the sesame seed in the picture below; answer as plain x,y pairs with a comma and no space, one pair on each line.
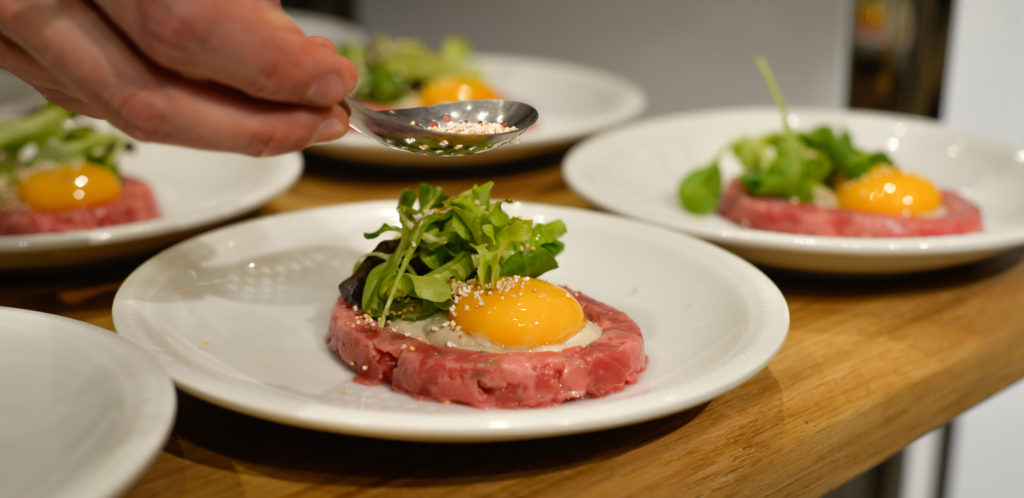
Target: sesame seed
471,127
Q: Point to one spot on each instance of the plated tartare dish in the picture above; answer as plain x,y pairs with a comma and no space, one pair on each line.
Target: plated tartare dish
59,174
451,310
818,183
399,72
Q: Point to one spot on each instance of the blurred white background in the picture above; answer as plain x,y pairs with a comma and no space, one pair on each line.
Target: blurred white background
685,54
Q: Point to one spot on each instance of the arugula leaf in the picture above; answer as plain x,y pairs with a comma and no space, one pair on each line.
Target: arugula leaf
48,121
50,136
389,68
386,85
443,238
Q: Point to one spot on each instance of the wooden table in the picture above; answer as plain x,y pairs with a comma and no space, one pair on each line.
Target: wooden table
870,364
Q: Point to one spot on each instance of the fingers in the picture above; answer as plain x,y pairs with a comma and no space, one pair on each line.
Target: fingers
73,55
225,122
18,62
250,45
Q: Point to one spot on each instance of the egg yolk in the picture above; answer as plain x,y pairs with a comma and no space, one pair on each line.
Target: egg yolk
444,90
887,190
69,187
518,312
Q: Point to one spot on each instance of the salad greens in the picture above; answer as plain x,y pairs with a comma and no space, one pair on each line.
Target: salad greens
390,68
785,164
50,136
444,238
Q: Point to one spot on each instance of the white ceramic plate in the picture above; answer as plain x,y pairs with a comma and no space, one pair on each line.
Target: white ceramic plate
194,189
239,315
83,411
636,171
573,101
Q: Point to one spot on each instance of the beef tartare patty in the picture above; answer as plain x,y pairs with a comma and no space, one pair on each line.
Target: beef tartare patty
136,203
488,379
780,215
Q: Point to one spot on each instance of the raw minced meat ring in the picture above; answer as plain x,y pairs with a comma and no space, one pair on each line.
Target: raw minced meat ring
491,379
135,203
781,215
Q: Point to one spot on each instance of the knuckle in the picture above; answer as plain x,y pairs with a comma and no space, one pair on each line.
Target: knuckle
140,114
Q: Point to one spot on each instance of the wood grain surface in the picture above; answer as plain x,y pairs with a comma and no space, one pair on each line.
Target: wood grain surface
869,365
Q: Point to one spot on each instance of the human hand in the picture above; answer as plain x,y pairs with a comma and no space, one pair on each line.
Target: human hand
233,75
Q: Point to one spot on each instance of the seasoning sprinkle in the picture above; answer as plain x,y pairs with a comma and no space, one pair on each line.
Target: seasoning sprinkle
471,127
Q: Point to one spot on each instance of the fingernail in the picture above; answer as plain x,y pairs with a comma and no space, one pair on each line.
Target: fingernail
327,90
329,130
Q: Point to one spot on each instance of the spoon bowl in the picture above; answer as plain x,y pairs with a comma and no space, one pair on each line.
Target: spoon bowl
409,129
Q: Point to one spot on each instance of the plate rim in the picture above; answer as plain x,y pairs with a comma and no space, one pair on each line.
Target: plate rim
149,391
574,171
758,287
